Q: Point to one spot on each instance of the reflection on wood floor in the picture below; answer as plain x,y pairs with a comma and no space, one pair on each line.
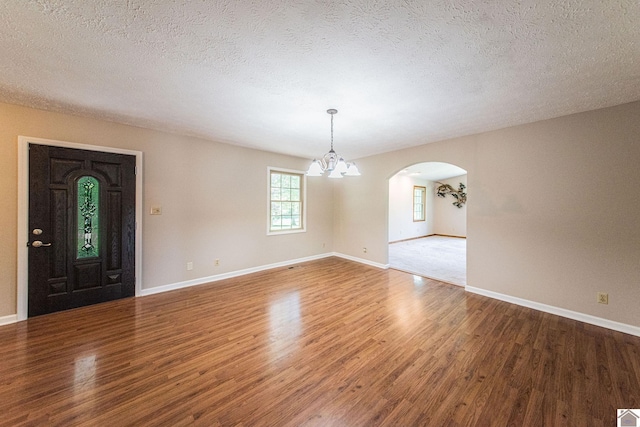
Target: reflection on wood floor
330,342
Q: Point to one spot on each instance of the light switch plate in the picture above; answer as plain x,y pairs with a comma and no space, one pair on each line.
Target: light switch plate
156,210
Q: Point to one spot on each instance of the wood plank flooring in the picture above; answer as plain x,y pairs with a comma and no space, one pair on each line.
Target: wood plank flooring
326,343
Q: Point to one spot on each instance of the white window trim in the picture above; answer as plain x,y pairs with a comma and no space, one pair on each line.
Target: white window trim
423,203
304,202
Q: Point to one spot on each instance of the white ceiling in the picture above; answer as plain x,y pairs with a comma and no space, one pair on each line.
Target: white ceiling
262,73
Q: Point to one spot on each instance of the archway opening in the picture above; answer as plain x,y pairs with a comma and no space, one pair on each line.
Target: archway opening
427,233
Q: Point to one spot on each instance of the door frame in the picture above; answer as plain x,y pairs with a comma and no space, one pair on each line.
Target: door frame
23,213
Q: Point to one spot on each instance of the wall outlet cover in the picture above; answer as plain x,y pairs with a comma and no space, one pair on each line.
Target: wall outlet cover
602,298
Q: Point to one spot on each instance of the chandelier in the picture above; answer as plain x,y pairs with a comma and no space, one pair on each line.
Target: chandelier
331,162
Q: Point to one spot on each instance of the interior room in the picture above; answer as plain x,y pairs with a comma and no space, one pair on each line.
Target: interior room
428,222
196,212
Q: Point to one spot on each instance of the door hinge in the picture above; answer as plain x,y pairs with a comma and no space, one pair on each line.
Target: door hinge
135,170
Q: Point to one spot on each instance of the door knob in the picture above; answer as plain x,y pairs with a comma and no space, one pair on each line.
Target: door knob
38,244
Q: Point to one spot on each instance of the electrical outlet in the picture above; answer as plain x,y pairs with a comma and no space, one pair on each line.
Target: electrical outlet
189,266
364,250
156,210
217,262
602,298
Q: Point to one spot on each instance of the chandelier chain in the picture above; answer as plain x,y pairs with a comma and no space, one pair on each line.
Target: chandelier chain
332,131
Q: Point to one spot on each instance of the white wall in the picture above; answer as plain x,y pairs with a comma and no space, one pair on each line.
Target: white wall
562,227
448,219
401,223
213,198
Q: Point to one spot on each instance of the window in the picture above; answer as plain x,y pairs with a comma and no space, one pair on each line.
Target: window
87,216
419,194
286,201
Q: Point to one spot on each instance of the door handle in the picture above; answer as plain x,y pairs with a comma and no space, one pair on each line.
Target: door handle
39,244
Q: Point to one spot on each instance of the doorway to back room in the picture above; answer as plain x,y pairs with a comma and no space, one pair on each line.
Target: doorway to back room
427,233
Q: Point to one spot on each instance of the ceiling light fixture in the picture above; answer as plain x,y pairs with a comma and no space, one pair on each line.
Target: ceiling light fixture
331,162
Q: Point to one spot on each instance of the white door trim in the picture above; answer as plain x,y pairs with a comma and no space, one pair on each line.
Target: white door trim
23,213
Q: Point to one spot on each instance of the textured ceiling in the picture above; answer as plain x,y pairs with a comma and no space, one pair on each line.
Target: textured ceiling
262,73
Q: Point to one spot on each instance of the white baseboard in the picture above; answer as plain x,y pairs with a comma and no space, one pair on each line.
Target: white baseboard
218,277
586,318
6,320
362,260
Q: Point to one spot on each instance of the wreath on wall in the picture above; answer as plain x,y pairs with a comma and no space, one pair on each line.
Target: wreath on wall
459,194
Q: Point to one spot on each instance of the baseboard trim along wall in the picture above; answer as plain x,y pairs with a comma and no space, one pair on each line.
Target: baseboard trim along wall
574,315
412,238
218,277
5,320
427,235
361,260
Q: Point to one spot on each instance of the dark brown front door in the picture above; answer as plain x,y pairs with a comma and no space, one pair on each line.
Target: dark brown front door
81,228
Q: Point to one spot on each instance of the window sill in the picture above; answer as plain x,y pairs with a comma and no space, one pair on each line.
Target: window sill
275,233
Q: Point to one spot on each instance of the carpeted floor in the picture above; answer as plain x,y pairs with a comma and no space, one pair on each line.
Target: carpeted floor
436,257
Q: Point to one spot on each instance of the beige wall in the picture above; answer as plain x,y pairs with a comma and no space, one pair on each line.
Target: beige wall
213,198
551,215
441,216
448,219
552,211
401,223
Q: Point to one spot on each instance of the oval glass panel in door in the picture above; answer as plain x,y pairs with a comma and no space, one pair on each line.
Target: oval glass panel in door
88,219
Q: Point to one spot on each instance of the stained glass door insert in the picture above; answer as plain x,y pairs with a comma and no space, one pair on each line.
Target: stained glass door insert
88,202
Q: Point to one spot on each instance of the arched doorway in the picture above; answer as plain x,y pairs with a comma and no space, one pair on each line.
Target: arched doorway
427,233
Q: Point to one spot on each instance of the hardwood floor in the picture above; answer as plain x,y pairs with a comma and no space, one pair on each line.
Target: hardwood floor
327,343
